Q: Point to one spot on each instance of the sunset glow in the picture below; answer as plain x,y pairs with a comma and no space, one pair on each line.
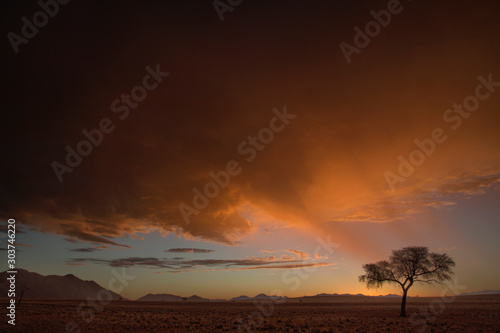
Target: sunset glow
246,156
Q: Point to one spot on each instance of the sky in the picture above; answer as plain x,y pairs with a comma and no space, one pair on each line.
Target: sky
273,147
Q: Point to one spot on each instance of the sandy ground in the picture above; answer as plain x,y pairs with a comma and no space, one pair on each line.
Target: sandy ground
363,314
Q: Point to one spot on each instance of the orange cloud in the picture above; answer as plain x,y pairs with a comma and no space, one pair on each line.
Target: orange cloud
322,173
299,254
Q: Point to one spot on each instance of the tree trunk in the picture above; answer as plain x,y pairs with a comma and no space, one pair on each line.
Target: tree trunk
403,304
20,298
23,290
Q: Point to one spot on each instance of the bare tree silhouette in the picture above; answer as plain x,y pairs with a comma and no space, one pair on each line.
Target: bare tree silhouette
22,290
407,266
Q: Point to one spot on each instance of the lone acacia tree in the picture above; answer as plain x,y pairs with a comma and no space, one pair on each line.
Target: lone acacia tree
408,266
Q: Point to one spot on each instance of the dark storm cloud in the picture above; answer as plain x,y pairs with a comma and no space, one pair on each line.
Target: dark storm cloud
178,266
89,249
84,249
353,120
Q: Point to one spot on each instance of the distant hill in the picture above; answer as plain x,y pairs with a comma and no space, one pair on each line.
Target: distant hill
264,296
170,298
484,292
53,286
161,298
195,298
259,297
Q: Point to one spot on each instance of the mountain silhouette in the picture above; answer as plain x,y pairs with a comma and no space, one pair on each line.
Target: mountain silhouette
240,298
171,298
195,298
161,298
53,286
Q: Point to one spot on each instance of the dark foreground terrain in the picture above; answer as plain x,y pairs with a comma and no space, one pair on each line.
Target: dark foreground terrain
330,314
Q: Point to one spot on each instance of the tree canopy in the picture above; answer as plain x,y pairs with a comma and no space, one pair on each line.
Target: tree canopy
407,266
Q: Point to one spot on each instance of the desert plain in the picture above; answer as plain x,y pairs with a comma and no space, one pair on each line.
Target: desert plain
314,314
